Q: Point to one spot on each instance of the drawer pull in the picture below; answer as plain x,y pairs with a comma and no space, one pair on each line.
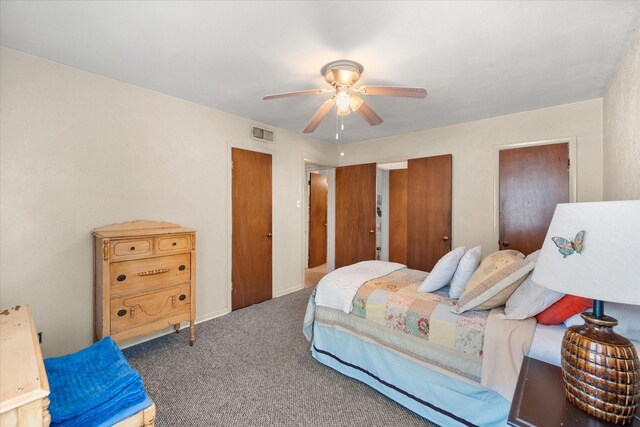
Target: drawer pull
133,248
174,244
121,278
153,272
182,267
122,312
182,297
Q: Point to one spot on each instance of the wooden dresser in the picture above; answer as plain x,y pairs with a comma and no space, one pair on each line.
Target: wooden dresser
145,276
23,381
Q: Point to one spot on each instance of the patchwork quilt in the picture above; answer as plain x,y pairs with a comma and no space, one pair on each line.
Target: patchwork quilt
394,301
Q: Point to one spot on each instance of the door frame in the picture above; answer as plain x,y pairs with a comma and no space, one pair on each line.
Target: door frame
307,196
573,174
258,149
304,211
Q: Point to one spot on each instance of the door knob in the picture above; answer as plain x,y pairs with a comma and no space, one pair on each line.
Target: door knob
505,243
445,238
372,231
269,234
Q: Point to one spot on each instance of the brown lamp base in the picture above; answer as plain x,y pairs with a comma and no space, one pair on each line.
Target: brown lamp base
601,370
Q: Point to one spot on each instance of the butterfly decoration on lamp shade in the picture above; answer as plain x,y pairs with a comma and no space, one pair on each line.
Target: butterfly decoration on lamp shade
566,247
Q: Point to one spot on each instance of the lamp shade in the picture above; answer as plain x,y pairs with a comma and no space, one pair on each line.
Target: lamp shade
603,263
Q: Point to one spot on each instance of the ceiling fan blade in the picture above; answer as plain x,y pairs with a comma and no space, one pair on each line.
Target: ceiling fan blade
297,93
368,114
407,92
319,115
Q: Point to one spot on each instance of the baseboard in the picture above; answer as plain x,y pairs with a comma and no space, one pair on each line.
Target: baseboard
288,291
213,315
170,330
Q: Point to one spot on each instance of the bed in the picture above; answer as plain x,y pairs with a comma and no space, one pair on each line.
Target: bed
369,322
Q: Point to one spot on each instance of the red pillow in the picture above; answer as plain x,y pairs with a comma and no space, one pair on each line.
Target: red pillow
566,307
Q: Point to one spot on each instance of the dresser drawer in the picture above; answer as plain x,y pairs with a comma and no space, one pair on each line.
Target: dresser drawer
172,244
130,312
129,249
149,274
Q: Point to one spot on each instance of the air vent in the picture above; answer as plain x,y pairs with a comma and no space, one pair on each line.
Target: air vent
261,134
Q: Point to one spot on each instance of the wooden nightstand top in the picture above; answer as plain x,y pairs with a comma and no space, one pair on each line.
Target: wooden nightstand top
539,400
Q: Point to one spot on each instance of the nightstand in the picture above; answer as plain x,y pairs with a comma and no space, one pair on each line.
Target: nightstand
24,387
539,400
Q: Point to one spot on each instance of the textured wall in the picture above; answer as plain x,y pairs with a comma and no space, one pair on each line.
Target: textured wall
78,151
621,127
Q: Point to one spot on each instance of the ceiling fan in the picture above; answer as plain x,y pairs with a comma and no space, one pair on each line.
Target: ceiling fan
342,75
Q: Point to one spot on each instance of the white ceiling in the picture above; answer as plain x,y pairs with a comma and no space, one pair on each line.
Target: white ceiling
477,59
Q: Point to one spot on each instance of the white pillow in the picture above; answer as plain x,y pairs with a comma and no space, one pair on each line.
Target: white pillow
467,265
530,298
627,315
443,271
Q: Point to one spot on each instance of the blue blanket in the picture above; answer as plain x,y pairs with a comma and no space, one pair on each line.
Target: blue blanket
92,385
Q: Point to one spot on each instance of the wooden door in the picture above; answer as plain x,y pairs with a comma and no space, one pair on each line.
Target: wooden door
317,220
398,215
428,211
355,214
251,228
532,181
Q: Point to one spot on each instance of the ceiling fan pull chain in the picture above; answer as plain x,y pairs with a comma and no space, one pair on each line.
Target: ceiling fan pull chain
342,136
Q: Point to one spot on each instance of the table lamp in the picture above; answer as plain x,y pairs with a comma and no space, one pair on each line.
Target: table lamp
592,250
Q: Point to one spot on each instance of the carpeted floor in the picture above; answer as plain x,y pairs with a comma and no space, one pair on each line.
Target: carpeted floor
253,367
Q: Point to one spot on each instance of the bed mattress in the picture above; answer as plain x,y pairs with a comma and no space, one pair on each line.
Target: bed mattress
452,369
430,392
456,362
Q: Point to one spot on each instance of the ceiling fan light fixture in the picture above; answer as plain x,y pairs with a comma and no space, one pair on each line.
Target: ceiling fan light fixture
342,100
342,72
342,77
355,102
343,111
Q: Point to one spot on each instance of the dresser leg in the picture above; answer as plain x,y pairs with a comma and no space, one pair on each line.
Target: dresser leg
177,327
192,334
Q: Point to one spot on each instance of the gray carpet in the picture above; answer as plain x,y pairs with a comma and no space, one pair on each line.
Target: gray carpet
253,367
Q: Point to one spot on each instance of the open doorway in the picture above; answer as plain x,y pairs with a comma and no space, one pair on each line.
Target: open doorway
392,184
317,222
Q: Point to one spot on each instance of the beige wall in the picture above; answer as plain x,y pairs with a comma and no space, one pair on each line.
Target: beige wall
79,151
474,159
621,125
